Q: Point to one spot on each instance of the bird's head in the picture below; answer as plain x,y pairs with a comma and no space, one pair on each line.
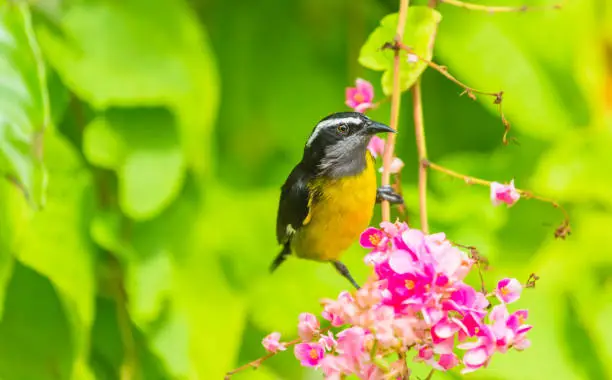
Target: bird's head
338,143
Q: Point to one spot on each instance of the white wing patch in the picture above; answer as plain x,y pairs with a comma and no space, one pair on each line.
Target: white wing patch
332,122
290,230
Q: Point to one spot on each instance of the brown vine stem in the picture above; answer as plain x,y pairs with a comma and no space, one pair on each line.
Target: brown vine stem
469,91
498,9
419,132
257,362
562,231
395,108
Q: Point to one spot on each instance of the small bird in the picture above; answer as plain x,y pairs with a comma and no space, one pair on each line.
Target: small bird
328,199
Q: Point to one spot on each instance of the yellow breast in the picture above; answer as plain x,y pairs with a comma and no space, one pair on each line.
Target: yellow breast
342,211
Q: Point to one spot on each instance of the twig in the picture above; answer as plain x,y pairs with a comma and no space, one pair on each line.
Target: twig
561,232
129,367
419,132
395,108
531,281
479,260
469,91
257,362
497,9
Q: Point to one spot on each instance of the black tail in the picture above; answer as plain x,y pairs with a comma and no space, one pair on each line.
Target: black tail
282,256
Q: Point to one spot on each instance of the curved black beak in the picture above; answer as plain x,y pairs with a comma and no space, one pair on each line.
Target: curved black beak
376,127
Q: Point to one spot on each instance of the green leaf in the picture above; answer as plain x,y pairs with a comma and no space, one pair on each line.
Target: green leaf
35,337
155,54
62,250
24,102
541,96
419,33
571,169
142,146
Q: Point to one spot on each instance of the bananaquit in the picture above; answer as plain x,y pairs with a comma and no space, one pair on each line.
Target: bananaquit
328,199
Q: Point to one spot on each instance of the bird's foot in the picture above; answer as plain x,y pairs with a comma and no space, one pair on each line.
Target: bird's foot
386,193
343,270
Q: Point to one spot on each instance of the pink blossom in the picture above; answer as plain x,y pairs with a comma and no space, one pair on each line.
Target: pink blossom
338,311
360,97
308,326
412,58
271,343
504,194
351,344
309,354
334,367
376,146
508,290
396,166
448,361
373,238
417,298
479,352
328,342
467,300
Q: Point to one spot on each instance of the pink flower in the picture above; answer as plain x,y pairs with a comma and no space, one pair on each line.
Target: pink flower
309,354
412,58
271,343
333,367
338,311
328,342
467,300
508,290
308,326
360,97
396,166
478,353
351,345
373,238
504,194
515,323
448,361
376,146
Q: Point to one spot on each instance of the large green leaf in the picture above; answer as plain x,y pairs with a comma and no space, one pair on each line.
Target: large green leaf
24,101
62,250
8,199
546,86
155,54
572,169
142,146
419,34
36,341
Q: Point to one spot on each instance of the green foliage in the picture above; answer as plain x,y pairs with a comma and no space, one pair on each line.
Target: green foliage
419,34
23,100
151,138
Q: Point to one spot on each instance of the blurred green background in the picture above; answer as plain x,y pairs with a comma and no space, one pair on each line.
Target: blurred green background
151,138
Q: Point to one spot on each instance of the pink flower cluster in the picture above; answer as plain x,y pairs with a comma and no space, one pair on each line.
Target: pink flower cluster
416,305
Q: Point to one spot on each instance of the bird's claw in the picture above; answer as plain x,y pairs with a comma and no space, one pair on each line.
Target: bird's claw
386,193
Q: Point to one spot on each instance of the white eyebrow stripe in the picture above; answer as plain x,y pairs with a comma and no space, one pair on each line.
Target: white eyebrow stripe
331,122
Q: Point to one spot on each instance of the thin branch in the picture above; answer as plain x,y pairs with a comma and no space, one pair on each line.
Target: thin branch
419,132
469,91
257,362
479,260
561,232
498,9
395,108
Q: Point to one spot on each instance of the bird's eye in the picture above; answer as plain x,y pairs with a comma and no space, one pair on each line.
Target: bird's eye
342,129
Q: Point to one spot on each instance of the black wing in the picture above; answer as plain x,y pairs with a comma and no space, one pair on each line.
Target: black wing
293,206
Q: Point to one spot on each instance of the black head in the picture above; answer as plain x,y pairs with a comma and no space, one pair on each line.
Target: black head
338,143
